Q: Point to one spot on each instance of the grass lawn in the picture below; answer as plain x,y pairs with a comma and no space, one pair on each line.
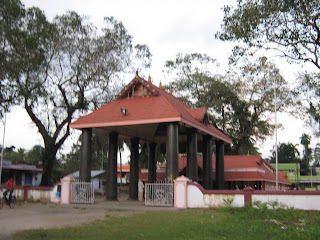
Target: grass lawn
224,223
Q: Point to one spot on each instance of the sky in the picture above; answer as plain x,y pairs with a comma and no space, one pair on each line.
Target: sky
168,28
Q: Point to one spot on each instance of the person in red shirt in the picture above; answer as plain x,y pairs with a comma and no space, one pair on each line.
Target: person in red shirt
11,184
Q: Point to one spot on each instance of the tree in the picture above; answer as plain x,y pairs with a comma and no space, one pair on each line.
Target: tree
23,35
34,155
287,153
309,90
78,68
290,27
240,103
307,154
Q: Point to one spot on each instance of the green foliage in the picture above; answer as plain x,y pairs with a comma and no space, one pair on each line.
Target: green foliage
222,223
287,153
309,90
290,27
239,103
61,69
307,154
227,202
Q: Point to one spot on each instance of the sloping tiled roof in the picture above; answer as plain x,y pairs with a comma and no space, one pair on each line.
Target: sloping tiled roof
243,168
155,106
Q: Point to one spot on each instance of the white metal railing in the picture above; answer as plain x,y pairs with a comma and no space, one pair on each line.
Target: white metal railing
82,192
159,194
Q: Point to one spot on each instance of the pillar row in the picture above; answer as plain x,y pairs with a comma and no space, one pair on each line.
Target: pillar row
219,164
207,162
85,157
192,152
134,169
152,163
172,151
112,187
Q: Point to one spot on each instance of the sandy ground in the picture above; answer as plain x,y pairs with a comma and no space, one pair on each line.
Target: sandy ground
48,215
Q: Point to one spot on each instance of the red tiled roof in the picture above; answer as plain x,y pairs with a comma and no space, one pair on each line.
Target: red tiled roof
143,175
197,113
125,168
243,168
156,107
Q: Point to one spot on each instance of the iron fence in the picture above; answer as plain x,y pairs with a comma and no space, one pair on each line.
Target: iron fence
159,194
82,192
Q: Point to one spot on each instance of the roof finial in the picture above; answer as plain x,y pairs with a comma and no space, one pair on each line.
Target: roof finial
170,89
149,79
137,73
160,85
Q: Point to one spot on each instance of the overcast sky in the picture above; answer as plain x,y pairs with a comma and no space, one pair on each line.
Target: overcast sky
168,28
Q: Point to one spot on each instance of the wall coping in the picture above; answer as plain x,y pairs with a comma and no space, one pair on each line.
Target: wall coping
204,191
29,187
288,192
259,192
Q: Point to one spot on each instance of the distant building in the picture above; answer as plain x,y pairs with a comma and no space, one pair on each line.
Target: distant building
239,171
292,170
98,177
25,173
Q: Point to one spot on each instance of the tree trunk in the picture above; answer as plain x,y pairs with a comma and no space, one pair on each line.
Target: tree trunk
48,159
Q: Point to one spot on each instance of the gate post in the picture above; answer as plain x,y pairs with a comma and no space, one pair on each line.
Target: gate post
180,192
65,190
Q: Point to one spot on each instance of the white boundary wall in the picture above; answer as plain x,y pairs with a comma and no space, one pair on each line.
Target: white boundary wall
197,199
189,194
305,202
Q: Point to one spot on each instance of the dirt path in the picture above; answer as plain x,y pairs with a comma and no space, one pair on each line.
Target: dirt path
38,215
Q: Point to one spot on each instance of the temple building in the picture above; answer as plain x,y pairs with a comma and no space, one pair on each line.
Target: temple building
240,171
143,113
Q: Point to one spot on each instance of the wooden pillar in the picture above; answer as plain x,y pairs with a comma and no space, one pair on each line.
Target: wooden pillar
192,152
134,169
112,186
85,157
172,151
207,162
152,165
219,164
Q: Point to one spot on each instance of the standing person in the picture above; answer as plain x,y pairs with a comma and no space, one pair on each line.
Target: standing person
11,184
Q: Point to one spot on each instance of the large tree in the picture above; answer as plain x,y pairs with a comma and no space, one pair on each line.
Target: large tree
291,28
287,153
310,92
240,103
307,154
79,66
23,44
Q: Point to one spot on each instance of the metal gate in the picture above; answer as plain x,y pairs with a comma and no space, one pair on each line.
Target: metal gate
159,194
82,192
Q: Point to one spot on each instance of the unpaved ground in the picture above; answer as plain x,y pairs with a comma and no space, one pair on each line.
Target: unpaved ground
48,215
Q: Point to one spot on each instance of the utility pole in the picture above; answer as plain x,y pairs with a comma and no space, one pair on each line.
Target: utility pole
276,132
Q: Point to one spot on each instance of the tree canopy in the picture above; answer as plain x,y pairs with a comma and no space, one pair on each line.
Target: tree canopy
73,67
291,27
239,102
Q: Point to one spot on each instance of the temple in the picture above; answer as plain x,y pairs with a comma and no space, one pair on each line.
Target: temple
144,113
